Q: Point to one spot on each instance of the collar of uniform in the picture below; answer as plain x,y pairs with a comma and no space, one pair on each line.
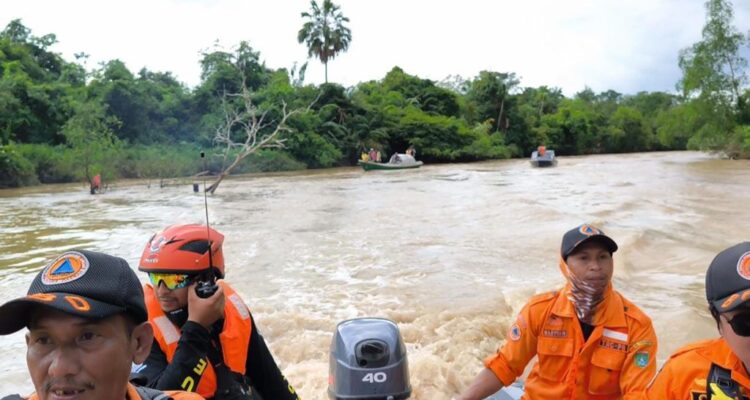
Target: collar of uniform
563,307
609,313
722,355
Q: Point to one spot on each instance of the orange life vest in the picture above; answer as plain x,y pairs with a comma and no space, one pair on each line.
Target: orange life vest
234,337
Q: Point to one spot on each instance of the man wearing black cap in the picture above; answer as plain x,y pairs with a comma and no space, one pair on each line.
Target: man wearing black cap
718,368
590,341
87,326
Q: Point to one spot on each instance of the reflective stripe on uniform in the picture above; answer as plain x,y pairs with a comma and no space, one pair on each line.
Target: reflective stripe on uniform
239,305
167,328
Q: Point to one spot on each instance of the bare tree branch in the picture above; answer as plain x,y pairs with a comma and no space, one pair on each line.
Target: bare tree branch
251,121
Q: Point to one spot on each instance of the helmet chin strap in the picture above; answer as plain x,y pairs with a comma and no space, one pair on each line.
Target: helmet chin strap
584,295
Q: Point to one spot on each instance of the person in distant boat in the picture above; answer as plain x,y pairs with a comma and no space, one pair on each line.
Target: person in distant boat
591,342
87,324
411,151
377,156
96,184
364,156
373,155
207,345
715,368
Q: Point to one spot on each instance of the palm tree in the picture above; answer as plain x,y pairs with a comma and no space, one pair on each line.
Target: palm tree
324,33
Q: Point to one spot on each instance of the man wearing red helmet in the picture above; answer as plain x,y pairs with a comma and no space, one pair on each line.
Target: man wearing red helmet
206,344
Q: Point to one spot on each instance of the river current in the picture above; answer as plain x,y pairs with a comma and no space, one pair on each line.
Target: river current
449,252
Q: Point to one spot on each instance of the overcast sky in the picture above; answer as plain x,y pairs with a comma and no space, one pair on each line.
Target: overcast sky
628,46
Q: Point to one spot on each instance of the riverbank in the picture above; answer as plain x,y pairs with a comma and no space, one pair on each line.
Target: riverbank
167,164
34,164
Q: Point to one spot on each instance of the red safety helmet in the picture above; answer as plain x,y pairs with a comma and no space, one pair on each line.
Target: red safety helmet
183,249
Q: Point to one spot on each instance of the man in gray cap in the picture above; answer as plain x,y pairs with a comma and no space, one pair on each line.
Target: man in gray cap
718,368
87,325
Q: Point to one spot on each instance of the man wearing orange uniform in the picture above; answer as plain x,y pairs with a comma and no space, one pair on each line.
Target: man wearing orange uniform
590,341
718,368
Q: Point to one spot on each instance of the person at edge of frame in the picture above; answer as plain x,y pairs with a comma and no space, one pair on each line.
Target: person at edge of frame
717,368
87,324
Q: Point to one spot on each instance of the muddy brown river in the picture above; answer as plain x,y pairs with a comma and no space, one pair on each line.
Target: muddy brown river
449,252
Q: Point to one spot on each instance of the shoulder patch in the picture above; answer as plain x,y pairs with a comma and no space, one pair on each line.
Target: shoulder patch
515,333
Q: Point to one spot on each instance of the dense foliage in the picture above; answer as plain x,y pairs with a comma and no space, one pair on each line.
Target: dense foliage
60,122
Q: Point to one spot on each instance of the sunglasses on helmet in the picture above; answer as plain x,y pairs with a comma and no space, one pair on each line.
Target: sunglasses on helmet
171,281
740,323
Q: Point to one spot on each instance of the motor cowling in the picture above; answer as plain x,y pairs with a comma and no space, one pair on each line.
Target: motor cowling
368,361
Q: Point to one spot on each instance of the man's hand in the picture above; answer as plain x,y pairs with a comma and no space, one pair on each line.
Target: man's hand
205,311
484,385
718,394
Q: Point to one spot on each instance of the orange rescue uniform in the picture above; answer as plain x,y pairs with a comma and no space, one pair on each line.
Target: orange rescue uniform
616,362
684,375
234,337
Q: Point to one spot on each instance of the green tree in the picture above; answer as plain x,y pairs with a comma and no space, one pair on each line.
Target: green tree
713,74
571,129
15,170
627,131
325,33
422,93
675,126
530,106
489,92
89,134
36,87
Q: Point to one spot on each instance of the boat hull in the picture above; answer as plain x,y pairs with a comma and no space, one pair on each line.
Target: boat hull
543,163
546,159
371,166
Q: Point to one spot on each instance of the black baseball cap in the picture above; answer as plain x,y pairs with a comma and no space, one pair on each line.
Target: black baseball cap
728,278
82,283
582,234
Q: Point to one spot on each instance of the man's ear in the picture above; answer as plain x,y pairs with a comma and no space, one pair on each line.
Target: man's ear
142,339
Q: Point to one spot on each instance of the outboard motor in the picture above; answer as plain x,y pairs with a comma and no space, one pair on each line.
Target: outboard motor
368,361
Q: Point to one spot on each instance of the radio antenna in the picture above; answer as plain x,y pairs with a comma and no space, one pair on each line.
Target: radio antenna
205,206
206,288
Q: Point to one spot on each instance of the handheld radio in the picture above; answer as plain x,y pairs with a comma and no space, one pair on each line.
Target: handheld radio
206,284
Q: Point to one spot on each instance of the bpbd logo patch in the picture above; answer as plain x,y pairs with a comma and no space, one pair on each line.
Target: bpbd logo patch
66,268
743,266
515,333
589,230
641,359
